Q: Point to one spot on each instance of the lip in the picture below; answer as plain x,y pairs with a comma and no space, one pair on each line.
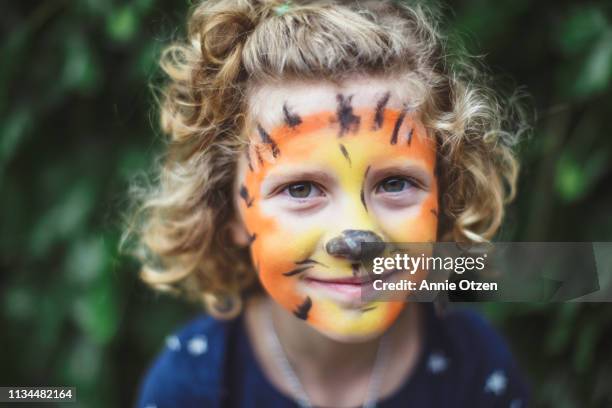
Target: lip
359,280
346,290
349,280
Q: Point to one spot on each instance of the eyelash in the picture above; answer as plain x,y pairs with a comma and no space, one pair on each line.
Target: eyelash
413,182
410,180
285,189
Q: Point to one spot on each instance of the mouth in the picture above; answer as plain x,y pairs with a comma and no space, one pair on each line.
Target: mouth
350,280
348,290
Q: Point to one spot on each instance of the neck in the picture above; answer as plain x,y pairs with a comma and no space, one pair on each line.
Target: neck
311,349
331,370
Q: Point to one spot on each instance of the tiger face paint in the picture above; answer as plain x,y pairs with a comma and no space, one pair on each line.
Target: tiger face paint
315,186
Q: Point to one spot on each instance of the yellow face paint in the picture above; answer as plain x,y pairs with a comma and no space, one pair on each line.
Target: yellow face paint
318,182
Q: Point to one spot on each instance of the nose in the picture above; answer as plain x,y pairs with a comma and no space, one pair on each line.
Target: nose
349,245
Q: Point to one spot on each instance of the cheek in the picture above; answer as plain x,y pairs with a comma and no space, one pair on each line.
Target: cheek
279,254
279,250
275,251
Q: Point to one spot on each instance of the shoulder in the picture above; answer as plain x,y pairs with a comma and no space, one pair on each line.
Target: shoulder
488,371
189,369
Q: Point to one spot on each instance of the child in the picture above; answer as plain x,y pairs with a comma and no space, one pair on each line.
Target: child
298,131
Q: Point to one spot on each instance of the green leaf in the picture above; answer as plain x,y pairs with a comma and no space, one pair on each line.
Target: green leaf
596,71
122,24
13,130
569,179
580,30
87,260
81,69
64,219
97,312
144,6
562,328
147,60
84,362
19,303
587,337
575,179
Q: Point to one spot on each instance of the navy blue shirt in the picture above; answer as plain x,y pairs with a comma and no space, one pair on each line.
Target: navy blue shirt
210,363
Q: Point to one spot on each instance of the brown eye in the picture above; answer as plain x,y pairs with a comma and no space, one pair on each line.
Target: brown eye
300,190
395,185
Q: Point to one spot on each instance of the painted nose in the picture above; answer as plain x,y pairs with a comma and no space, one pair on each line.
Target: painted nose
349,245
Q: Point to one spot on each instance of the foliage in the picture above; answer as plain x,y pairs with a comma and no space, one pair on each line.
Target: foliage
77,123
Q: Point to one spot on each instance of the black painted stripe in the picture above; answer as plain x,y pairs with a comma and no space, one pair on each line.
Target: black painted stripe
265,138
296,271
362,197
362,194
347,119
398,125
380,110
309,261
244,193
291,119
345,153
302,310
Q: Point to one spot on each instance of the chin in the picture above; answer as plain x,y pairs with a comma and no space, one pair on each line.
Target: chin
343,337
357,327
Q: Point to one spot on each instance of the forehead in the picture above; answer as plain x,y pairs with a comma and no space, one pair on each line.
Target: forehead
355,124
267,102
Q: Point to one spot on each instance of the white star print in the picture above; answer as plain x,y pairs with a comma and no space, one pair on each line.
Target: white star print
173,343
151,406
496,383
197,345
437,363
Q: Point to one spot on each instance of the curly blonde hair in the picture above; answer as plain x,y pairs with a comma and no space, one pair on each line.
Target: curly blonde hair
181,224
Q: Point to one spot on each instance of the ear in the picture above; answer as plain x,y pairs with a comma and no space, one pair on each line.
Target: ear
238,232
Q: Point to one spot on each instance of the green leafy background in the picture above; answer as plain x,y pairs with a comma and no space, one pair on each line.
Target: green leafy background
77,123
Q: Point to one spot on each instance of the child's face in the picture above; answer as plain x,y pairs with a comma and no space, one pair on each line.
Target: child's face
326,169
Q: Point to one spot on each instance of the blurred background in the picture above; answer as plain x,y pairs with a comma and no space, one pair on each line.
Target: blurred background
77,123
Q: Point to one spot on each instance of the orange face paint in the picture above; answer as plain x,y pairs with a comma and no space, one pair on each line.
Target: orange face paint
355,161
